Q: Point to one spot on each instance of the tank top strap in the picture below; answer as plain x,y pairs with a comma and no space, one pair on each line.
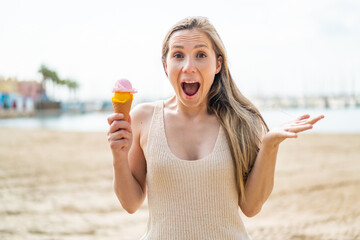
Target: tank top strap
156,127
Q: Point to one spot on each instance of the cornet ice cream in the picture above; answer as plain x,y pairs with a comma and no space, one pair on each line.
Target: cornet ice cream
123,97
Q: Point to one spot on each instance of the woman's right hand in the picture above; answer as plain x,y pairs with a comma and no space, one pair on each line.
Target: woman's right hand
119,136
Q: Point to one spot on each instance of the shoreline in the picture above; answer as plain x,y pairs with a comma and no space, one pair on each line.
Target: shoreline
335,121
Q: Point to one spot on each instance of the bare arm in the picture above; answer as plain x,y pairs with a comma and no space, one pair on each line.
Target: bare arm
128,159
260,182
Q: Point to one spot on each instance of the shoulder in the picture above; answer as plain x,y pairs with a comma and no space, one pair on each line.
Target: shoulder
141,116
143,112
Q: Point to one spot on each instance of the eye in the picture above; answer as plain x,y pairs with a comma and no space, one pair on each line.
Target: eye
178,55
201,55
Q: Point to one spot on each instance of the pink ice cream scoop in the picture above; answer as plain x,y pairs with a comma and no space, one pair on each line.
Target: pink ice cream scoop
123,85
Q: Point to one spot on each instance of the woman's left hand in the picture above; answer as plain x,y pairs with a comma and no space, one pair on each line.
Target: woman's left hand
289,130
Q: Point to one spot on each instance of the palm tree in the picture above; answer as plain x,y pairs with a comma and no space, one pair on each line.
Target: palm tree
48,76
72,86
52,76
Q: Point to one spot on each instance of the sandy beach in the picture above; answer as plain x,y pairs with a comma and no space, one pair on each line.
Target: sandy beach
58,185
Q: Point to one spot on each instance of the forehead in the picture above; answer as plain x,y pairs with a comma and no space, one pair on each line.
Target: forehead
192,36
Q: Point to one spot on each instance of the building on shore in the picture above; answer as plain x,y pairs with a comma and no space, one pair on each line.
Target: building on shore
19,98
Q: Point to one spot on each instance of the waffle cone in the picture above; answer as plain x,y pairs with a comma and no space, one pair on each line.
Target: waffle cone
123,108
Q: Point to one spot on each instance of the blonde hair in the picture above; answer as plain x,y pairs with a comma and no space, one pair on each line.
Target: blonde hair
242,121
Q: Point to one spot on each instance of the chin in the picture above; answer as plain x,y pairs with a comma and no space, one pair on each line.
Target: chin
193,101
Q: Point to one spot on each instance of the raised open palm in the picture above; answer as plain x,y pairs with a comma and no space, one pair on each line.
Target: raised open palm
290,129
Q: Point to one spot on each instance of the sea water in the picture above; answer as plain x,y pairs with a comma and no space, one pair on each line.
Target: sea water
345,120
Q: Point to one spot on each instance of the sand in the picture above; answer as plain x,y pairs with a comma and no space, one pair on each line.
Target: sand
58,185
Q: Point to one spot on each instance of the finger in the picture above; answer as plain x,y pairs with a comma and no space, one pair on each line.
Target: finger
122,134
122,143
292,135
305,116
308,121
315,119
304,121
120,124
299,128
114,116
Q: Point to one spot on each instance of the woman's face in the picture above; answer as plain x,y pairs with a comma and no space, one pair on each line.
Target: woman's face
191,65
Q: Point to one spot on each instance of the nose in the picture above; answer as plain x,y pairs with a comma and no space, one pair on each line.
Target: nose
189,65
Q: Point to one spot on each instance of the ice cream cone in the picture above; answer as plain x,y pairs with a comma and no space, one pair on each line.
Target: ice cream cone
123,108
123,96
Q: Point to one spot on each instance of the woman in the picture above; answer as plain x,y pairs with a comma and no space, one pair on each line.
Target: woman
200,154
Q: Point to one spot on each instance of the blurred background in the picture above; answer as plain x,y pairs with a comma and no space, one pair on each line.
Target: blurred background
60,59
288,57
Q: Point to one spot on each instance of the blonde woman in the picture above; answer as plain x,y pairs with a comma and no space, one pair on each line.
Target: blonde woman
202,154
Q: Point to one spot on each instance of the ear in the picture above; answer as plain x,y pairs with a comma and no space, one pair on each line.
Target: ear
219,64
165,66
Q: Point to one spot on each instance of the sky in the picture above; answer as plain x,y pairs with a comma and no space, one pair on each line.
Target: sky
286,48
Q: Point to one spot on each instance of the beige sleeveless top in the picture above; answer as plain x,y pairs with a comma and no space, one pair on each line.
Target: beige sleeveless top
190,199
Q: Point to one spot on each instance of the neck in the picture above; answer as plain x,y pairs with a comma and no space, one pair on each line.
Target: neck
190,113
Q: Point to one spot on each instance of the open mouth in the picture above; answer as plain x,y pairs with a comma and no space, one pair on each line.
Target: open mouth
190,88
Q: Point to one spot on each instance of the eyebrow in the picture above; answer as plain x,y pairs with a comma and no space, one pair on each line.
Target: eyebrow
201,45
196,46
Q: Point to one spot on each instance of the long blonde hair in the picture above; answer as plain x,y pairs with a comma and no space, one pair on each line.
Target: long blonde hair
242,121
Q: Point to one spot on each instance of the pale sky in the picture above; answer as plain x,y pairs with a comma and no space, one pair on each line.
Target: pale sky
288,48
